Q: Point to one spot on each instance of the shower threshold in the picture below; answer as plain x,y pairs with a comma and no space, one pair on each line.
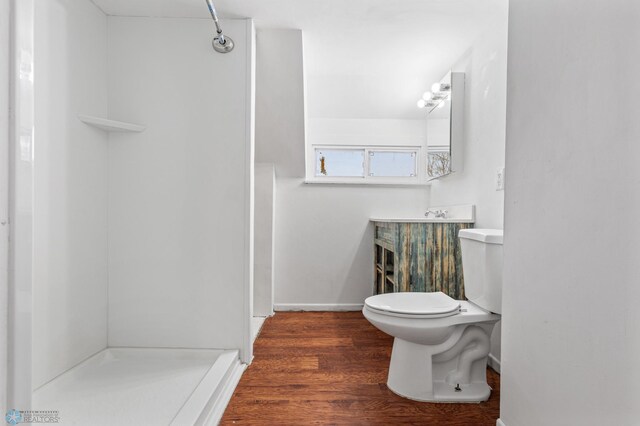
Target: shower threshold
140,386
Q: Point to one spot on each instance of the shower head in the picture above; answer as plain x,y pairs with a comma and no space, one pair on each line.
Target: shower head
220,43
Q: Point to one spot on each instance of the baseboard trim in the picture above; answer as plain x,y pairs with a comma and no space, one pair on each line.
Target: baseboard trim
315,307
494,363
500,423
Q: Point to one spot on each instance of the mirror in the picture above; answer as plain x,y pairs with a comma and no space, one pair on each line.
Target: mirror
444,126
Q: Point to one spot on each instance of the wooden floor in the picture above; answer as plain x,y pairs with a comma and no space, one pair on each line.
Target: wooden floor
331,368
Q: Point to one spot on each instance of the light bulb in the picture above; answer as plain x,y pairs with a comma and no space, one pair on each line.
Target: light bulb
422,103
441,104
435,88
427,96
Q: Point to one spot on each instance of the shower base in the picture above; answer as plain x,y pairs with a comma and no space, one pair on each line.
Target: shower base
136,386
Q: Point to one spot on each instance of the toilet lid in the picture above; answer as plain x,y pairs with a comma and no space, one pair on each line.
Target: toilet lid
436,303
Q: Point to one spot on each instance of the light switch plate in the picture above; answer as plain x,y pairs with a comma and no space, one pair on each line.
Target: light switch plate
500,179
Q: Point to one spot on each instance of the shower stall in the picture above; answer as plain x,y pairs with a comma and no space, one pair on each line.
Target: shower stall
130,295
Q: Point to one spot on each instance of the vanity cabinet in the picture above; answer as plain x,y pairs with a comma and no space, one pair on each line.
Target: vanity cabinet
418,256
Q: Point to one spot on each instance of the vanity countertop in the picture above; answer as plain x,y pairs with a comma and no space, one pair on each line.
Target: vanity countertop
465,213
421,220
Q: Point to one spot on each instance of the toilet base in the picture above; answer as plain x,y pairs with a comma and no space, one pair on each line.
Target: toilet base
424,373
473,393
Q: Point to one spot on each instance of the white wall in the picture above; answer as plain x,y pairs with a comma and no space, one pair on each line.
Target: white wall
4,196
571,332
21,207
265,207
179,226
280,101
361,131
70,210
324,241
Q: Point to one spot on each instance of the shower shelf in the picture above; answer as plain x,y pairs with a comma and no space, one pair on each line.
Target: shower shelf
111,125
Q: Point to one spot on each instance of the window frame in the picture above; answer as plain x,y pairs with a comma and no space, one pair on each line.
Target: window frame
418,179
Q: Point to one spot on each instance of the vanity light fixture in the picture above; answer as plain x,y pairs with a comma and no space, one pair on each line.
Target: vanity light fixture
440,87
439,92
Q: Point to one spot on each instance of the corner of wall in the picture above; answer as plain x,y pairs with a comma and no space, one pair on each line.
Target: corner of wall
246,353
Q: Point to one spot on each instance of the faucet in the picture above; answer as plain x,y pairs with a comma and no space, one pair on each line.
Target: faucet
438,214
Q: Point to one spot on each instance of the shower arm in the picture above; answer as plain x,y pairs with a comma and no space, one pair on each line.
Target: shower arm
220,43
214,16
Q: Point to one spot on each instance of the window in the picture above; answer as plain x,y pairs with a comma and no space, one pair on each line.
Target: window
340,162
392,163
366,164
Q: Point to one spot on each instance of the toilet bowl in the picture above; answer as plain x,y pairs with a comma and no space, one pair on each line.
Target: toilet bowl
441,345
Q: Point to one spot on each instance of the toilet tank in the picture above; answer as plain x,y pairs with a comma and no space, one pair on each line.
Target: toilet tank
482,267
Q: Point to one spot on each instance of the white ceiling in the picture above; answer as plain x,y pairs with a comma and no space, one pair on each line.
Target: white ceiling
363,58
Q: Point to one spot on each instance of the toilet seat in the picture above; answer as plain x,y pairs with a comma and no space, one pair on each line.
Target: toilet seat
414,305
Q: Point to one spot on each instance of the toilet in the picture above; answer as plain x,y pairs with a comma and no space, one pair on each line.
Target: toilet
441,345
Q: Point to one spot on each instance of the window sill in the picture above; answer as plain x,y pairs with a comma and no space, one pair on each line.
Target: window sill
365,183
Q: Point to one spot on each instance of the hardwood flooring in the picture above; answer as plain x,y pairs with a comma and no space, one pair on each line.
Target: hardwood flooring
331,368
